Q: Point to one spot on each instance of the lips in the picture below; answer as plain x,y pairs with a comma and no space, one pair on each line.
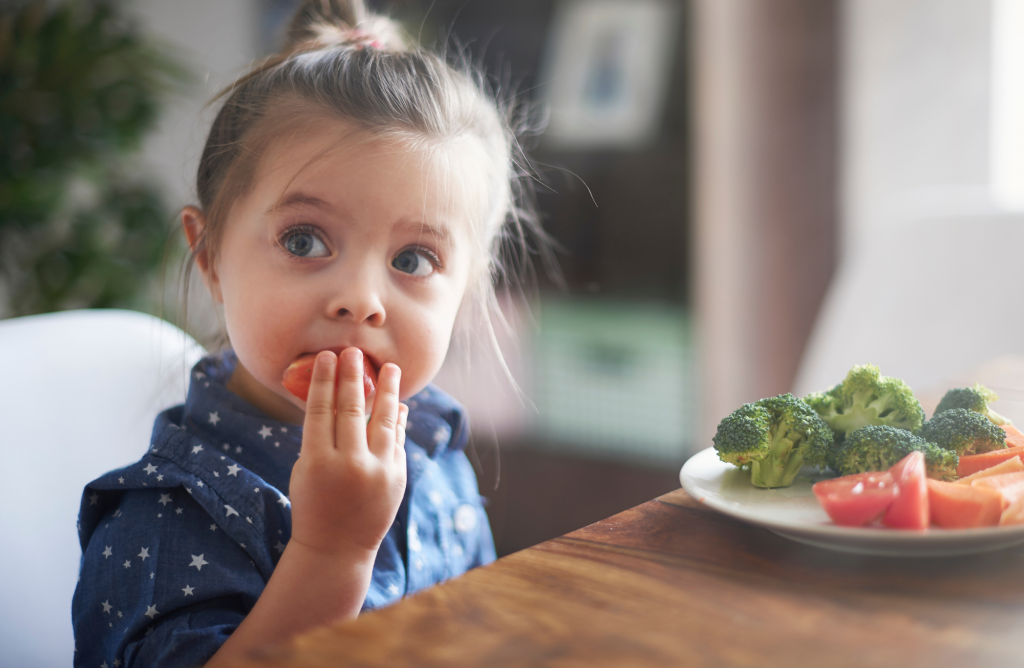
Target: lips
299,374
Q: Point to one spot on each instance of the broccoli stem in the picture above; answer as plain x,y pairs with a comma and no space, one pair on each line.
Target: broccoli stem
780,467
997,419
856,417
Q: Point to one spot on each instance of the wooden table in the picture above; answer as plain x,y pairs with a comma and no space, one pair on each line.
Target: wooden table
673,583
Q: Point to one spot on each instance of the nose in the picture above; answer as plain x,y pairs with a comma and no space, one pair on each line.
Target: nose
357,296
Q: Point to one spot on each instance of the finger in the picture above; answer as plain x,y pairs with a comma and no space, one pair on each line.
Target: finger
350,426
384,419
403,418
318,425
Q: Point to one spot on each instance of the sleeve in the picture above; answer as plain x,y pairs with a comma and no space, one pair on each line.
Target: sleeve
160,584
470,523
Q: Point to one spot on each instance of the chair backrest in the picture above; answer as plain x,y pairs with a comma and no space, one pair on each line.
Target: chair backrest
78,396
923,301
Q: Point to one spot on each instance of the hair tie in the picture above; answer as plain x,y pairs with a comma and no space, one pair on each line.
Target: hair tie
360,39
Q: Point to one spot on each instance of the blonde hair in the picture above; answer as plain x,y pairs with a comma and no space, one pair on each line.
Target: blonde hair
343,62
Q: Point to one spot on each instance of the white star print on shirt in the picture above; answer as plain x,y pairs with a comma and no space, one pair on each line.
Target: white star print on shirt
198,562
233,470
127,564
107,552
144,553
414,537
188,590
164,499
150,469
93,498
393,589
106,606
197,449
151,611
229,511
266,431
214,418
283,500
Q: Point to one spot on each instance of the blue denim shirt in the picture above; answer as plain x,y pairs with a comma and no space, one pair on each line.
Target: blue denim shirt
178,546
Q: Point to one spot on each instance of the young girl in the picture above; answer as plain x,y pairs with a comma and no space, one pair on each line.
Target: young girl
351,198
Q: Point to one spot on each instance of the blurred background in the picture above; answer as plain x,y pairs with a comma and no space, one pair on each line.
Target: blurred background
749,196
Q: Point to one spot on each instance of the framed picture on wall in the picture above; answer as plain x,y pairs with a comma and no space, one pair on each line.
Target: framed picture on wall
606,70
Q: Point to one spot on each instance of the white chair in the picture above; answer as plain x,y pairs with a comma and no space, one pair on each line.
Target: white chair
923,301
78,396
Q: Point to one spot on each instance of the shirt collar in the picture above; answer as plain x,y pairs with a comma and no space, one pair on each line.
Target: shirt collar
269,447
242,432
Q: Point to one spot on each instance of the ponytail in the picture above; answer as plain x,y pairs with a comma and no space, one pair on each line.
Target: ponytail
342,23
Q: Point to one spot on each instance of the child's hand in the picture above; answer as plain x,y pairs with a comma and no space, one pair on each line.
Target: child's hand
347,485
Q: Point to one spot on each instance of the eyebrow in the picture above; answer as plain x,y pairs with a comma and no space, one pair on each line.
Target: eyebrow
441,233
299,199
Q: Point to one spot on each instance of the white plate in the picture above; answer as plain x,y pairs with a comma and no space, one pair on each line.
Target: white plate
794,513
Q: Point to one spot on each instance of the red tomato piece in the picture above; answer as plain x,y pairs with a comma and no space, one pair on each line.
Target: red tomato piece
299,374
857,499
909,510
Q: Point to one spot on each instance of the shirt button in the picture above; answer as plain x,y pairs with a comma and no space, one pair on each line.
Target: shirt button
465,518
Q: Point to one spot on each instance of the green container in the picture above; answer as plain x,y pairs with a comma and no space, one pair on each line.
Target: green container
616,380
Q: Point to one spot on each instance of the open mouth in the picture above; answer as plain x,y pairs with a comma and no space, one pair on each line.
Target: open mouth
299,374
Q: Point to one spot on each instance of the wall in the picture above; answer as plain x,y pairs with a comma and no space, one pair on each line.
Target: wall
764,128
916,106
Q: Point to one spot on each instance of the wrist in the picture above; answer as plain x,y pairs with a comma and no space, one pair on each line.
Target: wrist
350,554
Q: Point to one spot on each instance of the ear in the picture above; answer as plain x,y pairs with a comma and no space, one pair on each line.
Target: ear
194,223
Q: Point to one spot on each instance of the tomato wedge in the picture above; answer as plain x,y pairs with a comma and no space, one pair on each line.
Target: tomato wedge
857,499
299,374
909,510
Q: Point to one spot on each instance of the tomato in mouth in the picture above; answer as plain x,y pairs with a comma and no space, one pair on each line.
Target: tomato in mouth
299,374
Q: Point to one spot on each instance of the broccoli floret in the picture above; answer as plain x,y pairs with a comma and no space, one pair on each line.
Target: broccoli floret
878,447
774,437
865,398
821,402
964,432
975,398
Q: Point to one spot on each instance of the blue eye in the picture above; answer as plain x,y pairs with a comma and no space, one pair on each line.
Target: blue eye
304,244
413,262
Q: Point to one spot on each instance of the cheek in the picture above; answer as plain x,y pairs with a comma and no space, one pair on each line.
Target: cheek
260,323
423,345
